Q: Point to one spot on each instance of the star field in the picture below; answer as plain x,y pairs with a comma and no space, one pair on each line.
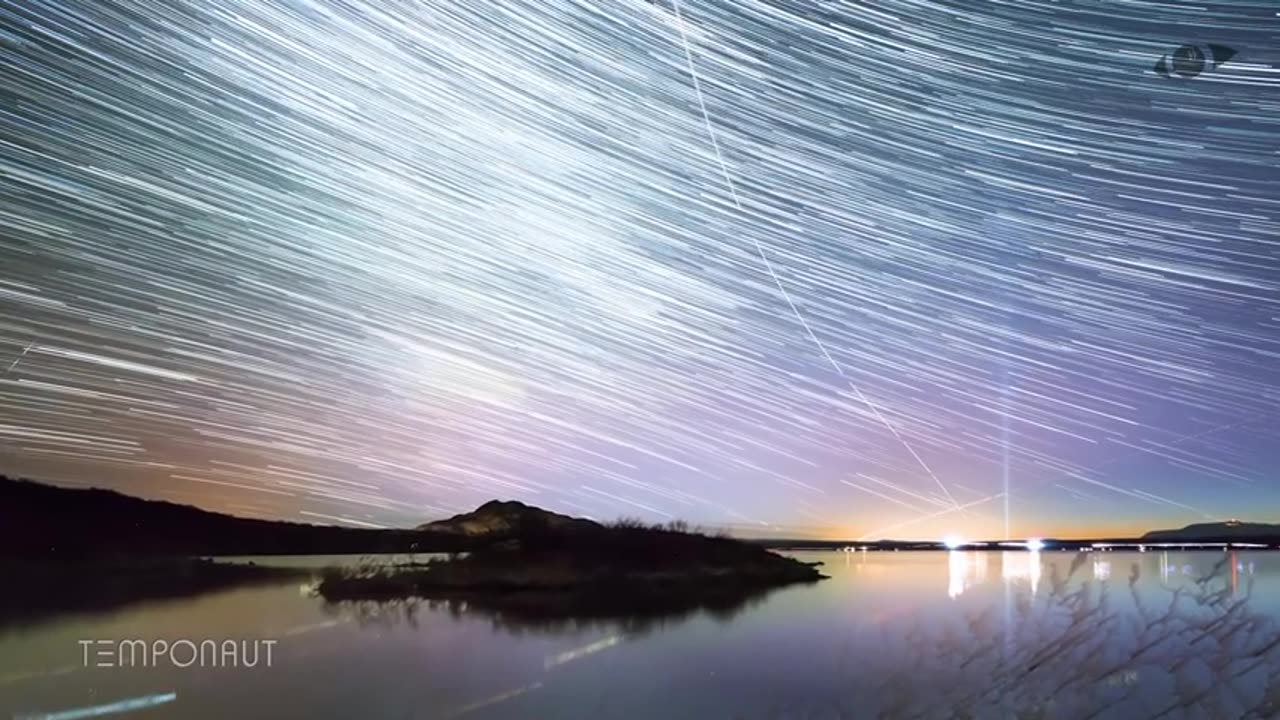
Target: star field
843,268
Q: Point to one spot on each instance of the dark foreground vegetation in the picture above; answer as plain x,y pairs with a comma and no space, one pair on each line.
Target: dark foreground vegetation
590,571
36,590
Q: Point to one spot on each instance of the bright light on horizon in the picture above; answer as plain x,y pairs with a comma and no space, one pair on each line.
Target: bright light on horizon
952,542
1034,544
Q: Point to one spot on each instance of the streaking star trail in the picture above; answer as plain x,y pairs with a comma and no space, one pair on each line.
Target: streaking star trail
375,263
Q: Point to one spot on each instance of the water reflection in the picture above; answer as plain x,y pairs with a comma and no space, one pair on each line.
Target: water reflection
969,569
1049,635
1021,566
965,570
1106,637
553,619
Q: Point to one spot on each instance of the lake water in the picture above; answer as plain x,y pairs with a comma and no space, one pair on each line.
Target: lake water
1016,635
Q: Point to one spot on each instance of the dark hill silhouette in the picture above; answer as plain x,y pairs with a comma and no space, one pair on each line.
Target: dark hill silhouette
44,519
1229,531
499,518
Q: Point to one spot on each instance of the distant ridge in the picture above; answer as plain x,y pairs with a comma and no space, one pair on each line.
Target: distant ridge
1218,532
41,519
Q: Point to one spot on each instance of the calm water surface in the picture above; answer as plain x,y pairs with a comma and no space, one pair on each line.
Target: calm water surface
1026,635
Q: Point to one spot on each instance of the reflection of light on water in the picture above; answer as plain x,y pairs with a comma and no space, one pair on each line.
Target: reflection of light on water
1102,569
302,629
1238,567
965,571
114,708
955,574
500,697
570,655
1021,566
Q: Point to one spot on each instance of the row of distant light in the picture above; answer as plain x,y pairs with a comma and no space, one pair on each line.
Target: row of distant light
1035,544
1032,544
1223,545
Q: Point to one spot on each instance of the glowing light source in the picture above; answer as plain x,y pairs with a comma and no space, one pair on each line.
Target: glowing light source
952,542
1035,544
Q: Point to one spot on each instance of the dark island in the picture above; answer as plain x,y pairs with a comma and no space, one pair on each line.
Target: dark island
537,563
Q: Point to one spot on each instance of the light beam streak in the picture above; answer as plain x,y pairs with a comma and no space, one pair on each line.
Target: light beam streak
930,516
706,116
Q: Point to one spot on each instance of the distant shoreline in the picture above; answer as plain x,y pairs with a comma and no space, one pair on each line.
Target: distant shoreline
41,520
1126,545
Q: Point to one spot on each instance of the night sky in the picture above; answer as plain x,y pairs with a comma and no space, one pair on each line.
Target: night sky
892,268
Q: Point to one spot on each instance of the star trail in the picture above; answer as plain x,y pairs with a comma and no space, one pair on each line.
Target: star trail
837,268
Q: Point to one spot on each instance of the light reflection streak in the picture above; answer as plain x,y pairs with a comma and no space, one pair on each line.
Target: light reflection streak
966,569
303,629
114,708
1020,566
585,650
1235,574
493,700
